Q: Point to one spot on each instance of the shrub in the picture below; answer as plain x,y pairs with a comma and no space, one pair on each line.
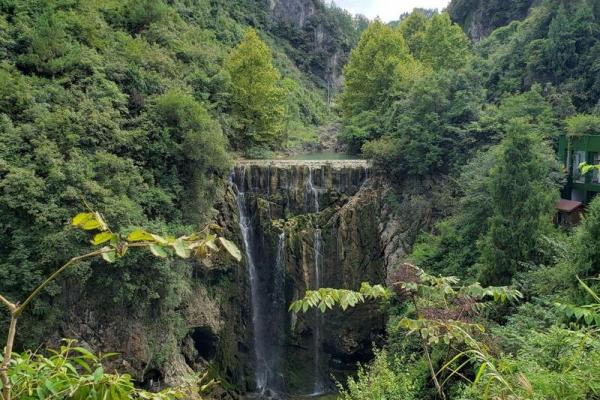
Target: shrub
583,124
73,372
384,379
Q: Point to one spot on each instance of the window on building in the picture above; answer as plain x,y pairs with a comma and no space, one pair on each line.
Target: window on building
578,158
596,173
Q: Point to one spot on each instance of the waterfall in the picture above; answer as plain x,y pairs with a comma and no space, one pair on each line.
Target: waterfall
319,386
267,294
278,204
257,311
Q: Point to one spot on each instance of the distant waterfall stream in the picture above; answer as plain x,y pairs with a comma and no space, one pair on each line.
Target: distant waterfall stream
313,191
266,301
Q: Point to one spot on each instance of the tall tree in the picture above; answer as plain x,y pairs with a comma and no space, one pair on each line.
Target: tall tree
370,75
413,29
587,259
445,44
258,102
522,199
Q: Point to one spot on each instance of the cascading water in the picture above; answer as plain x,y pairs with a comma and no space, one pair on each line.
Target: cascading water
267,302
278,205
257,312
313,191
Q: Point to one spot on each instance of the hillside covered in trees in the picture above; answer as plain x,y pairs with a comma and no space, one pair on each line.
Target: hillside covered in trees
469,132
139,109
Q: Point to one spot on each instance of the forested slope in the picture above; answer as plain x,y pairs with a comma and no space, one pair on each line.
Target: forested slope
468,131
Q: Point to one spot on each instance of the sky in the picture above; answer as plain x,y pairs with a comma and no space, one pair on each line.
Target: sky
387,10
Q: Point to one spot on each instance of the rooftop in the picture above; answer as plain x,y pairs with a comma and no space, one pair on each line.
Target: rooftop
568,205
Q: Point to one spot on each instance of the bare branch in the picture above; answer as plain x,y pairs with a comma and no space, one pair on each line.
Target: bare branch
6,384
11,306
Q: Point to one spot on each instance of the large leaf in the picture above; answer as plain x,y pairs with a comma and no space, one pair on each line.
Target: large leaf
89,221
158,251
181,248
102,237
231,248
110,256
82,218
140,235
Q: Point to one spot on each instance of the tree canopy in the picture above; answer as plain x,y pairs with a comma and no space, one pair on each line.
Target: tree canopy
258,96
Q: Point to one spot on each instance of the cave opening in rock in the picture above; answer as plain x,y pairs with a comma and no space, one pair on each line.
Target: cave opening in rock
205,342
153,379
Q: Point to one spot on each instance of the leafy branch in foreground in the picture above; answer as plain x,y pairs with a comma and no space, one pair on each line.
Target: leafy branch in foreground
202,245
327,298
589,314
444,315
75,373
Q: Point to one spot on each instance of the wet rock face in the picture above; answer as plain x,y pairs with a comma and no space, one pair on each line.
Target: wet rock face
284,187
328,216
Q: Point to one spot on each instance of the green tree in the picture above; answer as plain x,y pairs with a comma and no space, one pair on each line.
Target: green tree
427,126
522,199
442,316
369,73
414,28
194,143
445,44
369,80
587,258
258,99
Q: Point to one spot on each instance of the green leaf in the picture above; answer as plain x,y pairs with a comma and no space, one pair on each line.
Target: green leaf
110,256
140,235
98,374
50,387
85,353
158,251
181,248
231,248
91,225
82,218
102,237
480,373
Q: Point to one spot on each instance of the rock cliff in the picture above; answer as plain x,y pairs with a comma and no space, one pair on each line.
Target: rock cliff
310,224
479,18
321,37
304,224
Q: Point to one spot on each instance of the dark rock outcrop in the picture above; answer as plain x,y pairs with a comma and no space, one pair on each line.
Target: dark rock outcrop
298,202
479,18
321,44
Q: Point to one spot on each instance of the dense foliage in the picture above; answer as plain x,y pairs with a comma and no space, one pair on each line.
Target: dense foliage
133,107
130,108
75,373
484,120
405,99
